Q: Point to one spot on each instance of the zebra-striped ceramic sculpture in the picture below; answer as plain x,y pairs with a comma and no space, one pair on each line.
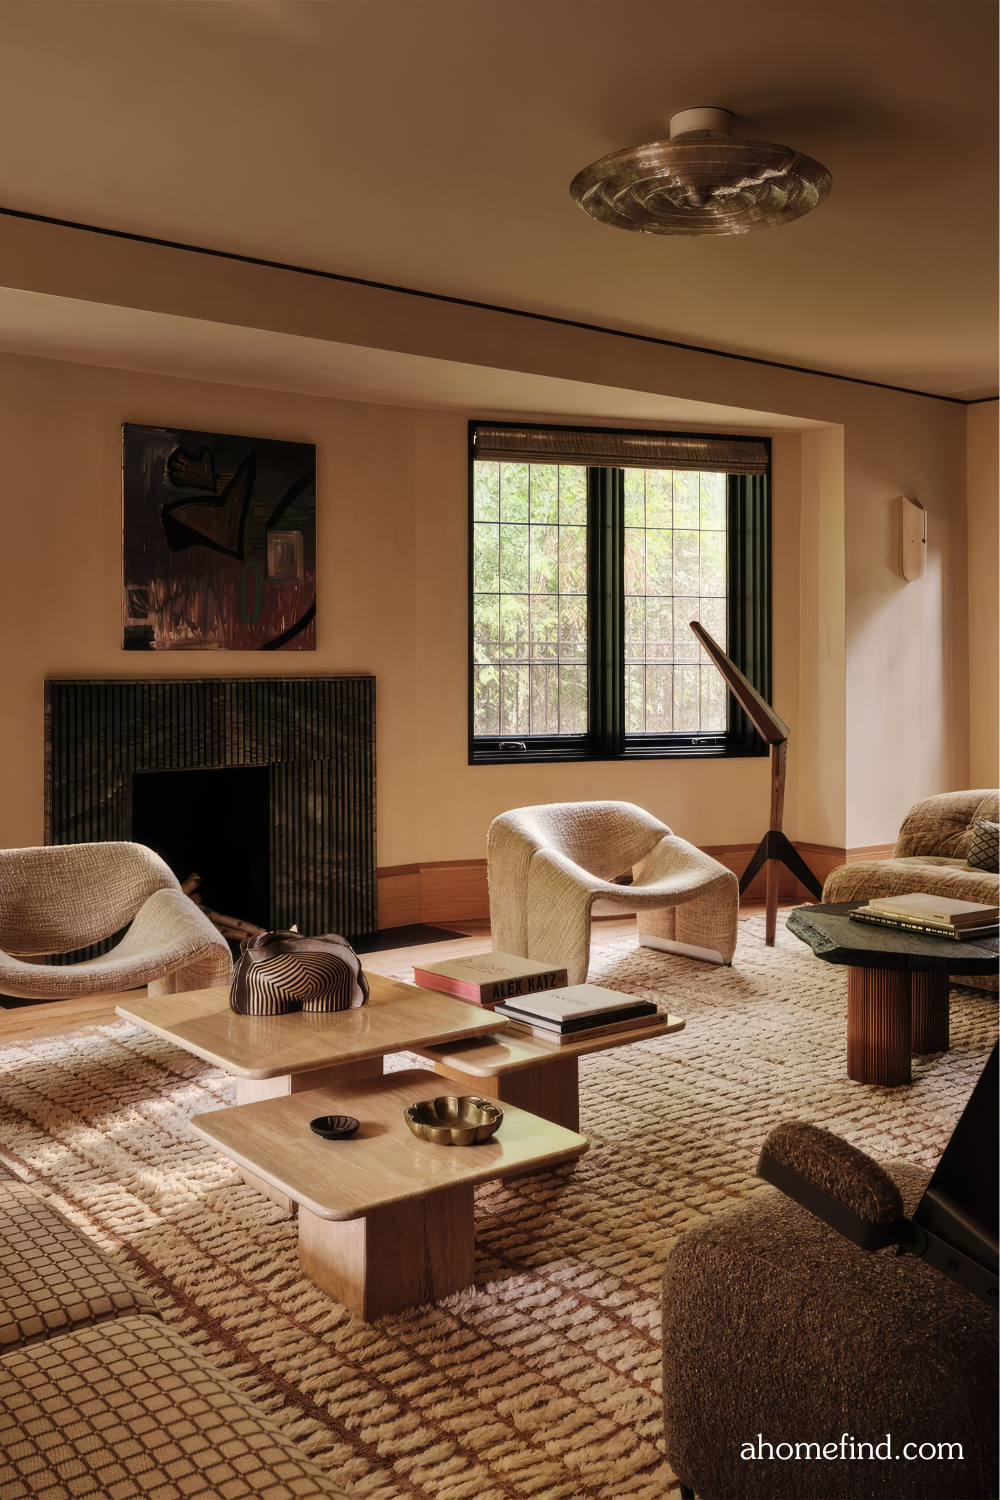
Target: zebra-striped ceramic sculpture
279,972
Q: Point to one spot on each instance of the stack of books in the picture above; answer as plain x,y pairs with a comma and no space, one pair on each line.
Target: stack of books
941,916
576,1014
488,978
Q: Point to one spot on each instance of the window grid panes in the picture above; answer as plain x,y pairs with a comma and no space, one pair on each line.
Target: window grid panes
530,599
675,572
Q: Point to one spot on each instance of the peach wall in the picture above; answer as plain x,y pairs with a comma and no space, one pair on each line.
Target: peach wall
984,570
878,671
60,436
906,708
822,721
907,643
392,523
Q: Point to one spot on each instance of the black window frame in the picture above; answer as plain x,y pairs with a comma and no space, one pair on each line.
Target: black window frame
748,593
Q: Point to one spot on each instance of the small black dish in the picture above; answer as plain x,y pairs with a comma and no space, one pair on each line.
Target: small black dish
334,1127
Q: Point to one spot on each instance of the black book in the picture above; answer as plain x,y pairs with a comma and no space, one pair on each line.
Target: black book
580,1023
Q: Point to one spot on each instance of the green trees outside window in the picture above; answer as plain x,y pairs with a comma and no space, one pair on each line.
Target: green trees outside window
583,581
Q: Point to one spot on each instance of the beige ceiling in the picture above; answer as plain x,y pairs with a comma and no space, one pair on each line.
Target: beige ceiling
431,145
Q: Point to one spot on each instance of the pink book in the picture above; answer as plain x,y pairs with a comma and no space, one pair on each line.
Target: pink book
489,978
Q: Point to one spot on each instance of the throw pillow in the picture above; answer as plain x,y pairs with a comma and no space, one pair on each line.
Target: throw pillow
985,851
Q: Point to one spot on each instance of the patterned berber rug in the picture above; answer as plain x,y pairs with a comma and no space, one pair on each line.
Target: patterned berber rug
542,1380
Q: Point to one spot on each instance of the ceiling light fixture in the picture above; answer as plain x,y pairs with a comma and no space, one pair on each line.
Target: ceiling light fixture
701,181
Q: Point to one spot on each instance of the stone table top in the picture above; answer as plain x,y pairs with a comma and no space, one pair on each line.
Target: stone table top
397,1018
833,937
512,1052
383,1163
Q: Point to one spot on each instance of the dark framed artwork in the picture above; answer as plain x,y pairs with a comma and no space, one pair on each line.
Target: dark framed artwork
219,546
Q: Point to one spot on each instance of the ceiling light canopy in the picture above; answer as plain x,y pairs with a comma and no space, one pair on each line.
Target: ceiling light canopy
701,181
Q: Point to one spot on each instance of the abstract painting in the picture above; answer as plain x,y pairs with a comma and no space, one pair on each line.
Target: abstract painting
219,542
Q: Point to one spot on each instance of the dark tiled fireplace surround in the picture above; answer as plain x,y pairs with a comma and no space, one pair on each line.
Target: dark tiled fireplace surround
315,736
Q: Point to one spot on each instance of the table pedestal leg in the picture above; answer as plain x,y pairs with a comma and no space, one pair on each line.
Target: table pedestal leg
399,1256
929,1001
550,1088
878,1026
253,1090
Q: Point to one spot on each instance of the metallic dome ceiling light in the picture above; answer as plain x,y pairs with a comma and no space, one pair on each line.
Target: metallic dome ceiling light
701,181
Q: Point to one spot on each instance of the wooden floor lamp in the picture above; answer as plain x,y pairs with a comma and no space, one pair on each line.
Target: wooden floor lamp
774,848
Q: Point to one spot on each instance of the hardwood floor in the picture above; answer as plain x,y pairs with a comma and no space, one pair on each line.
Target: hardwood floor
27,1022
24,1022
477,941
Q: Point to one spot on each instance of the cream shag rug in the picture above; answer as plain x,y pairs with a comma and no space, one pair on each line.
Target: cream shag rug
543,1380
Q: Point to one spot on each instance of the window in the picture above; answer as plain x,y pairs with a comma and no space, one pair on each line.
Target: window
530,599
675,571
584,575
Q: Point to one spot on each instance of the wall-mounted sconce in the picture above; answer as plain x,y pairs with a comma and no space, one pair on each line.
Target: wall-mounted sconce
912,539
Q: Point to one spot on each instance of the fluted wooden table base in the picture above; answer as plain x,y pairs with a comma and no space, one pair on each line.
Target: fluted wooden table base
878,1026
929,1001
891,1013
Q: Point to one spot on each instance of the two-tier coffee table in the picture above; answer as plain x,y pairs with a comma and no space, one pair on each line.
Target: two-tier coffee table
514,1069
276,1056
385,1219
897,986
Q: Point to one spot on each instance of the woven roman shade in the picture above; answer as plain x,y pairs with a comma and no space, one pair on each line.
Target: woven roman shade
625,450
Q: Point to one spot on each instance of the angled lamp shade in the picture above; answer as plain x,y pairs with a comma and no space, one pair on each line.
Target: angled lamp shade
774,848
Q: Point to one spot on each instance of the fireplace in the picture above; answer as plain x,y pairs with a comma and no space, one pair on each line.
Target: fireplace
213,828
300,818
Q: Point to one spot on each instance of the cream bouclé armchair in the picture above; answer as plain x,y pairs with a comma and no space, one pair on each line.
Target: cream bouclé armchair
63,897
931,855
549,864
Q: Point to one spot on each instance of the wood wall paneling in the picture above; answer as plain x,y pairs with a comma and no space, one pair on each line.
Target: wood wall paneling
448,890
456,890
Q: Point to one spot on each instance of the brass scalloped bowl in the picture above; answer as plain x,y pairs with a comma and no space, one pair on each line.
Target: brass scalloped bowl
454,1120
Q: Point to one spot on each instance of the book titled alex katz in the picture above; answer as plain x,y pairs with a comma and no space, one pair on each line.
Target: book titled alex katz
489,978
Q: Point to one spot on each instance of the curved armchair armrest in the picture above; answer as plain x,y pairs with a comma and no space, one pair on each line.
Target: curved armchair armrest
560,895
568,870
509,853
839,1184
170,946
172,939
169,925
672,871
837,1168
675,869
863,1184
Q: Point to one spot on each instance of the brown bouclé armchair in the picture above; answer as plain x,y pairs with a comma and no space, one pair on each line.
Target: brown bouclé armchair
795,1330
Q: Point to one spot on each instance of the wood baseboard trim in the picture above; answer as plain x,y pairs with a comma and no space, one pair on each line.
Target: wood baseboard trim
447,890
869,851
821,859
455,889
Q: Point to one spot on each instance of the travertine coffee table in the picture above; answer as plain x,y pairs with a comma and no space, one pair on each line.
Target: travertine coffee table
385,1220
513,1069
275,1055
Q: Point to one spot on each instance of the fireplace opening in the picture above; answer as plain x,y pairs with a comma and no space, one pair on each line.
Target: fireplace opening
213,829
